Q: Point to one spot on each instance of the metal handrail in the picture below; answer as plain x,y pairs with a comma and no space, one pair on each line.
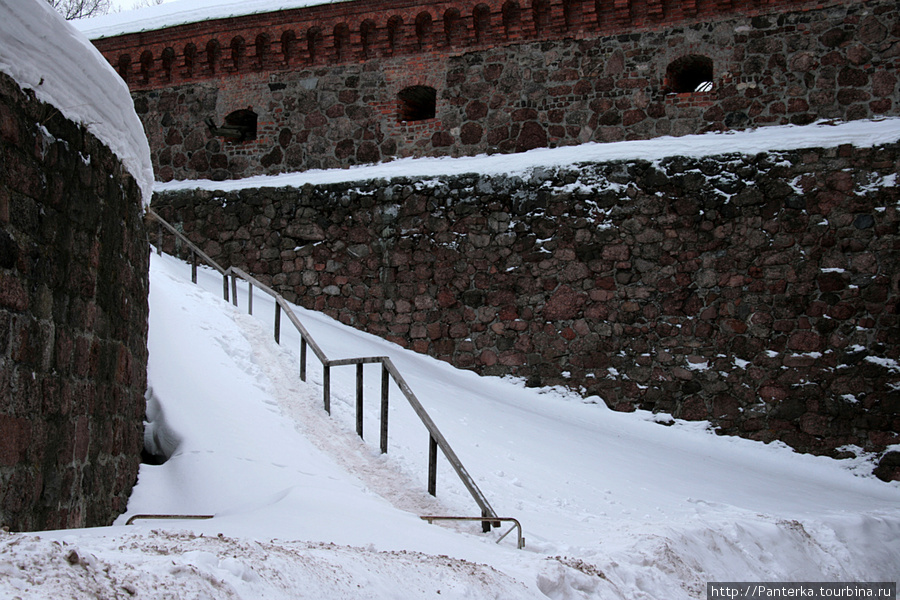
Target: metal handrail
437,439
389,371
134,518
520,541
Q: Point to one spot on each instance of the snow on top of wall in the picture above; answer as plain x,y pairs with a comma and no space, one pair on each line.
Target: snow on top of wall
860,134
182,12
44,53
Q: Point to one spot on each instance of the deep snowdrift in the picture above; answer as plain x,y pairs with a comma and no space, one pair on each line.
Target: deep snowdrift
614,505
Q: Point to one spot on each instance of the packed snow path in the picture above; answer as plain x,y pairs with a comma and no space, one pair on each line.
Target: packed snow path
614,505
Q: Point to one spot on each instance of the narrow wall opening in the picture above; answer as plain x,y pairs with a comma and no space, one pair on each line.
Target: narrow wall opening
417,103
692,73
239,126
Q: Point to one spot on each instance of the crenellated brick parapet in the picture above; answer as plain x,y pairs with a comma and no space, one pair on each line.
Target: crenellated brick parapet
358,31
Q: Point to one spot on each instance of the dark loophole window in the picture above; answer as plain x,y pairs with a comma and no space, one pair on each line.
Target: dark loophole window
394,32
690,74
239,126
417,103
423,28
124,66
190,59
146,65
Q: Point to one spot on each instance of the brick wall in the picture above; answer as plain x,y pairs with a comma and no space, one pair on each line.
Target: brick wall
757,292
768,64
73,321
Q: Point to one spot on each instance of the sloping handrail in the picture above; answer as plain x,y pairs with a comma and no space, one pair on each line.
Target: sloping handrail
389,371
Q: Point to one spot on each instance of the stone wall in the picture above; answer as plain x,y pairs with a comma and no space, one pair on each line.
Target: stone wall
766,64
73,321
758,292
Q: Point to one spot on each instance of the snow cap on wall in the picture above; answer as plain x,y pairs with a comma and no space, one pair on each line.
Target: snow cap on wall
182,12
44,53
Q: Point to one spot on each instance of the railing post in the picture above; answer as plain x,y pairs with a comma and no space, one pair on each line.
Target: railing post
225,286
193,267
432,465
326,386
385,387
234,298
159,238
359,399
277,323
249,298
302,358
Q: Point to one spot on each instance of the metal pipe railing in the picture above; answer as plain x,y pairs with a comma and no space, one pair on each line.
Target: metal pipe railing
520,542
389,371
134,518
436,438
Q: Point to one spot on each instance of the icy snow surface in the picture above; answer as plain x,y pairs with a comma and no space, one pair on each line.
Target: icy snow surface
44,53
613,505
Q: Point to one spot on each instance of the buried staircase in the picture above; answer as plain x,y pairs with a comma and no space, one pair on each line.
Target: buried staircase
437,441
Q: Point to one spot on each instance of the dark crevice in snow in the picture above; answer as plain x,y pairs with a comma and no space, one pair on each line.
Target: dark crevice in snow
160,440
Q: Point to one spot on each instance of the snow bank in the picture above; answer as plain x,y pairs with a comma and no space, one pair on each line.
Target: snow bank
767,139
182,12
44,53
183,565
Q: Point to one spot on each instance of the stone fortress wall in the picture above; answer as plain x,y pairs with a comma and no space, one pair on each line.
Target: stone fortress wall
73,321
359,82
760,293
757,292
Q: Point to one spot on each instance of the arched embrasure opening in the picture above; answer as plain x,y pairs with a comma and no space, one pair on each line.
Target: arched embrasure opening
341,36
692,73
511,16
417,103
315,39
239,126
263,45
540,13
124,66
423,29
213,55
146,66
394,33
238,49
288,46
453,27
190,59
367,33
167,59
481,17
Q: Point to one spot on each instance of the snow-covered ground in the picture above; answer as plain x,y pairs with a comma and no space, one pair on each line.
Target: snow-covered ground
613,505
